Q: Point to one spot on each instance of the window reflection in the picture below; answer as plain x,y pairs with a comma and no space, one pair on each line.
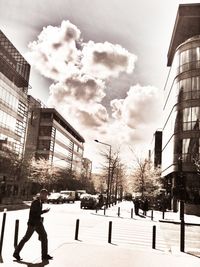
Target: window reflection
191,117
189,59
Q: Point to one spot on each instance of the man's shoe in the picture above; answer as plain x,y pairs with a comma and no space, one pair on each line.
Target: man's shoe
47,257
17,257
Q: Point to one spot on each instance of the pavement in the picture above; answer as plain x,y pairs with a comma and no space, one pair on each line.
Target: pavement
89,252
77,254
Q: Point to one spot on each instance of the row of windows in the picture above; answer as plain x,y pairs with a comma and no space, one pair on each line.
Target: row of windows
61,163
8,99
63,139
7,121
189,84
187,89
18,147
20,128
190,149
22,109
13,144
191,114
14,59
189,55
61,150
191,117
189,66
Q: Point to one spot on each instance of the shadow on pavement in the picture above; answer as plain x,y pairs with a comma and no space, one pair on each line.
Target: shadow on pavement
30,264
193,254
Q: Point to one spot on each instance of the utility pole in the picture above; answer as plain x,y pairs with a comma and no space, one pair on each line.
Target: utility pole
182,204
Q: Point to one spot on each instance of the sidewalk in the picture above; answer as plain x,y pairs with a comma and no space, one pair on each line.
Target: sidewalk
77,254
169,216
172,217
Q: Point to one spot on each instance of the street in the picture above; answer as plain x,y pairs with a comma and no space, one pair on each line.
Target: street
127,233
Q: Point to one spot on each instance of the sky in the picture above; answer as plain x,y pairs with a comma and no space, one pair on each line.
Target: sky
101,63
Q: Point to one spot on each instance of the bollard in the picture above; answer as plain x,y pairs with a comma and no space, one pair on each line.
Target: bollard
154,237
118,211
110,232
2,232
16,233
77,229
131,213
152,215
182,236
104,210
163,215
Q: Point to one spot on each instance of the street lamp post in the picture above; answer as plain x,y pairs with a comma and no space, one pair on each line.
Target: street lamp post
182,198
108,182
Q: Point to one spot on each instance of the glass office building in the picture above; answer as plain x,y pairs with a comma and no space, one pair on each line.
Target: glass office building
181,131
14,80
51,137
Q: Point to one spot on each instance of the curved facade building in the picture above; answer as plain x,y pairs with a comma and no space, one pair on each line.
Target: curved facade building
181,131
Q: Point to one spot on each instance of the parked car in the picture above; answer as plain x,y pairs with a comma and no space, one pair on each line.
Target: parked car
79,193
68,196
89,201
55,198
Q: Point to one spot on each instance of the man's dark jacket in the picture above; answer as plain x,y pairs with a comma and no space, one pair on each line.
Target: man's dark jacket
35,212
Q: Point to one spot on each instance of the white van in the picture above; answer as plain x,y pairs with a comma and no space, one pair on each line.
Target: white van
68,195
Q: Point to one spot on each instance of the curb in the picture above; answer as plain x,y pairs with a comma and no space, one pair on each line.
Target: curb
10,207
178,222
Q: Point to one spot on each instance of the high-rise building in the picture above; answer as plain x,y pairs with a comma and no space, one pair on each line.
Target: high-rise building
51,137
14,82
181,131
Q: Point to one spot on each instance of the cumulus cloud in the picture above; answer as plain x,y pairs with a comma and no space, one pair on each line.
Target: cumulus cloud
95,117
105,59
59,52
55,53
78,88
140,107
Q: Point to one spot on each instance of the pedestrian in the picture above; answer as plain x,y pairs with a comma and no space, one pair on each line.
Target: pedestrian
136,205
35,224
101,201
145,206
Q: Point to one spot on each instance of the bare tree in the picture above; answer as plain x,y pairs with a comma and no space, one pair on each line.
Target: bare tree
116,174
146,179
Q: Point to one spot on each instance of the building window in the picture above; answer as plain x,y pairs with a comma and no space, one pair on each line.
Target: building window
189,88
20,129
189,59
191,117
22,110
190,149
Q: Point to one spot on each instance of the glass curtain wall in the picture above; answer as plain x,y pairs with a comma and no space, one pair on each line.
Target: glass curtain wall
182,114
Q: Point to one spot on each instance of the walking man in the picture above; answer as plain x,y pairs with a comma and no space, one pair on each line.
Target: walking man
136,205
35,224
